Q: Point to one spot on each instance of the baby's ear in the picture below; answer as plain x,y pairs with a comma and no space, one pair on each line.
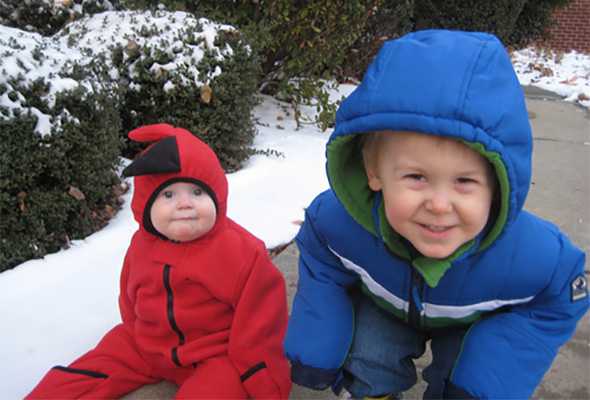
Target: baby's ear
161,157
152,133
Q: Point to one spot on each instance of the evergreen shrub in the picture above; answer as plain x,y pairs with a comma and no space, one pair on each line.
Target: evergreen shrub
299,44
516,22
533,22
172,67
49,16
59,148
68,101
391,19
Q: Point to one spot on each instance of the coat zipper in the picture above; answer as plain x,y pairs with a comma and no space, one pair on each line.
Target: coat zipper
170,312
416,309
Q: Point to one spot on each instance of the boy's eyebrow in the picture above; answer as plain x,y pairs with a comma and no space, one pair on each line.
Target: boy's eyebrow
473,172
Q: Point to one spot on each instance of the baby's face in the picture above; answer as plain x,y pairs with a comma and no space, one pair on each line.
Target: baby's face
437,192
183,212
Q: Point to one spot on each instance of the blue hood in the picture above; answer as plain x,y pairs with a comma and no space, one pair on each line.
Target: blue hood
448,83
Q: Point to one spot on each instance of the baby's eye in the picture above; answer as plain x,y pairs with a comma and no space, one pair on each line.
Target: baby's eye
197,192
168,194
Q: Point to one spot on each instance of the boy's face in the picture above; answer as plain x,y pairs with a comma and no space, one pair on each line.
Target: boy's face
437,192
183,212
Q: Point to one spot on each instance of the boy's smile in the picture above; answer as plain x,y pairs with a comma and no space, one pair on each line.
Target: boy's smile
437,192
183,211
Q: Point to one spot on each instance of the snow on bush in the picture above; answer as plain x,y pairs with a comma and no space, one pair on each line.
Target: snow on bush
67,100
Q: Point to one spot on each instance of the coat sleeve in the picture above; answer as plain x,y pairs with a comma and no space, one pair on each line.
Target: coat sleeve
507,354
321,323
258,330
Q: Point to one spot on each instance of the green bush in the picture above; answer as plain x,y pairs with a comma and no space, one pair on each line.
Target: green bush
174,68
49,16
67,103
299,44
59,149
391,19
515,22
533,22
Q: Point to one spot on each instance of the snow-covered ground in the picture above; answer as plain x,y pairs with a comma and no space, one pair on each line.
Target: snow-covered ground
567,74
56,308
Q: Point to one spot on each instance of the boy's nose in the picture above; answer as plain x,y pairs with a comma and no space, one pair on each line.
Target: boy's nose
439,203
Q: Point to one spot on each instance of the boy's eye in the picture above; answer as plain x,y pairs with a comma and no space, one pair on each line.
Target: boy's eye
464,180
197,192
415,177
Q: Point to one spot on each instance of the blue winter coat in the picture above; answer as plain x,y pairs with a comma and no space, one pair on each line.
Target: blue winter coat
520,284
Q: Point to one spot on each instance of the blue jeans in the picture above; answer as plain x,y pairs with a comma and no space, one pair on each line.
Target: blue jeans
381,358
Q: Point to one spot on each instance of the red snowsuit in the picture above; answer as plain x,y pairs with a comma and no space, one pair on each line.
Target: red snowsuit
209,314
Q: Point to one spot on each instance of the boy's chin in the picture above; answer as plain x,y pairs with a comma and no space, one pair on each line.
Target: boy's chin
436,252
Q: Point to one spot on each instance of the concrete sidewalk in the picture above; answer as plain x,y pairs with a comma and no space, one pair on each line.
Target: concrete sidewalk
560,192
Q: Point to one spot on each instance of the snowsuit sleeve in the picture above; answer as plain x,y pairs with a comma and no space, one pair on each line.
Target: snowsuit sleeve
125,306
524,341
321,324
258,330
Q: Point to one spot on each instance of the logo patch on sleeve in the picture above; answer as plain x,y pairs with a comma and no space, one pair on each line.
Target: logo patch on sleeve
579,288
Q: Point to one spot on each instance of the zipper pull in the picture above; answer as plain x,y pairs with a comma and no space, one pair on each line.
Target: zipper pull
417,300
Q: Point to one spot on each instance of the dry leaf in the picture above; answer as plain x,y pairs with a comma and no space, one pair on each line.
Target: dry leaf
109,211
21,201
570,81
546,71
76,193
206,94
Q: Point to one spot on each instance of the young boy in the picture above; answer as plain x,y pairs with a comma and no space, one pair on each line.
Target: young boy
423,236
201,303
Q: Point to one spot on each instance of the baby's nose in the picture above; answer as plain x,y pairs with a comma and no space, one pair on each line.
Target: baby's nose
184,201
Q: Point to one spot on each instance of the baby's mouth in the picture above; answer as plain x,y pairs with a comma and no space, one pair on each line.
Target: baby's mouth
185,219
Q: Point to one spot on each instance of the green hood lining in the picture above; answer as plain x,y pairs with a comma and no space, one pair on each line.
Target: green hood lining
348,179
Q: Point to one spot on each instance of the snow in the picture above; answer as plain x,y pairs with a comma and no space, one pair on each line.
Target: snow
567,74
56,308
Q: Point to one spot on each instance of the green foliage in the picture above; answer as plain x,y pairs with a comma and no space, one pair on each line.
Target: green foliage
217,109
533,21
61,134
47,16
59,186
390,20
515,22
300,44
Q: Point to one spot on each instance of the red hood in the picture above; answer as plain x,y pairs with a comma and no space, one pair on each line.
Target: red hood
175,155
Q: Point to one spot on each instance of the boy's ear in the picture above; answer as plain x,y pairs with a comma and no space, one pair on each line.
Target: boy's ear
374,181
372,176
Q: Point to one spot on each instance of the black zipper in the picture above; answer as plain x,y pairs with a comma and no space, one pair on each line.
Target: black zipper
87,372
415,309
170,312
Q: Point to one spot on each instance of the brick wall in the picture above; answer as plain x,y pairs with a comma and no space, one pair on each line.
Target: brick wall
571,28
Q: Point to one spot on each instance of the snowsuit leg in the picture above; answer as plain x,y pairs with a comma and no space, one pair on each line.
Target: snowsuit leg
214,378
114,367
